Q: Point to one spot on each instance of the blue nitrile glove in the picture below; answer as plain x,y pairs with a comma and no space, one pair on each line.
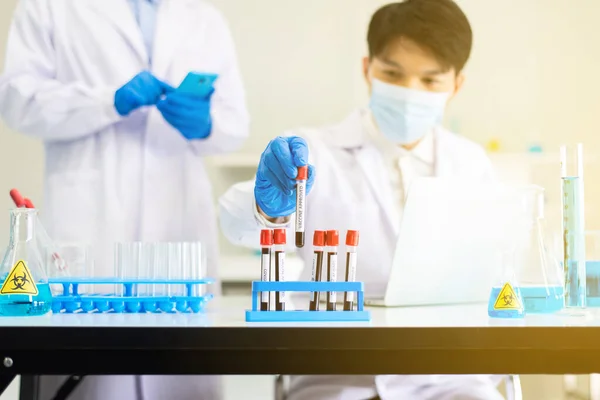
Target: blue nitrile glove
188,113
275,186
144,89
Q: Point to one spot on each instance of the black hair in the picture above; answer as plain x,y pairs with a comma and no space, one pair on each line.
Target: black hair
438,26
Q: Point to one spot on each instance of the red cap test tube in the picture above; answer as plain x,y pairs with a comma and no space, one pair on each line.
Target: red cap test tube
317,267
301,204
351,247
332,240
266,243
280,240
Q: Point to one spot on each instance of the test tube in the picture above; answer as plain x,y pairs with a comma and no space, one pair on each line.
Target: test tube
80,261
147,269
175,268
266,242
351,247
160,259
198,264
280,240
300,204
573,225
317,267
333,240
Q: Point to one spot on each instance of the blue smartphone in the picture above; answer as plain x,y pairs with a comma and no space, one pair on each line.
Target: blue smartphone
197,83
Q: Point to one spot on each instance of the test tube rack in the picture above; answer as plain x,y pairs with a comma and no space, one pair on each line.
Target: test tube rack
359,315
70,301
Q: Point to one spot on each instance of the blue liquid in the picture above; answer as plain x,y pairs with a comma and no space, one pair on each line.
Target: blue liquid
504,313
17,305
543,299
574,242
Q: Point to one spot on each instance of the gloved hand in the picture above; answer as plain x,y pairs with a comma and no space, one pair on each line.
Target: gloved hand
143,90
275,185
188,113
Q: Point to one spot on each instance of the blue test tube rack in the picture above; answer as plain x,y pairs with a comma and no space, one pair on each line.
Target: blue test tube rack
70,301
360,315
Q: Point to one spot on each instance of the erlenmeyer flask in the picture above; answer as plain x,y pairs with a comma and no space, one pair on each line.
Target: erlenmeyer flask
506,300
25,289
540,273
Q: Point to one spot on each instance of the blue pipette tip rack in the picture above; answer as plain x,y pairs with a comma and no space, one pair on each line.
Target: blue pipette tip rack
359,315
70,301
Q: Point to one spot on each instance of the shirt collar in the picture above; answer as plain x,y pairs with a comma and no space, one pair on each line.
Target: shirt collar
423,151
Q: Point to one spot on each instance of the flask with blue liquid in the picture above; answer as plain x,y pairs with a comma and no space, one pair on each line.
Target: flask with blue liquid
24,288
506,300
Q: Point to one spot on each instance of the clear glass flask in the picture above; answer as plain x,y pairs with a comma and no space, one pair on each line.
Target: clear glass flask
540,276
25,289
506,300
573,226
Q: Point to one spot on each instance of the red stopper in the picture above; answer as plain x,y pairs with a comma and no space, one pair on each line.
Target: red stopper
319,238
266,237
352,238
17,198
28,203
302,173
333,238
279,236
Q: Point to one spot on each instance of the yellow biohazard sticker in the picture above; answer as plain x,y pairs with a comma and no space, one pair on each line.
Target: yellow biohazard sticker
507,299
19,281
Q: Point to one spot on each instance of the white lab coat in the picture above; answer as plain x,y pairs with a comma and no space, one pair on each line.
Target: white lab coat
109,178
352,190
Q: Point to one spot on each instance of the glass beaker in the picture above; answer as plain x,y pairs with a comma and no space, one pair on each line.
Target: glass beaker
25,289
506,300
592,267
540,276
573,225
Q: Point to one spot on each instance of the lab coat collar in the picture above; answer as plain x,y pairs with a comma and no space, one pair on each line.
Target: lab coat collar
120,15
173,23
352,135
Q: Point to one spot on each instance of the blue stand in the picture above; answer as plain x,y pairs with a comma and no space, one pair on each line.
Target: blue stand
71,301
255,315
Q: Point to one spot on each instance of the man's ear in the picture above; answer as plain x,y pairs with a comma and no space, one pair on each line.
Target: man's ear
460,80
366,64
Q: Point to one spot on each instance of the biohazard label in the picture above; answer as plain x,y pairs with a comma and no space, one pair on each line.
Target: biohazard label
507,299
19,281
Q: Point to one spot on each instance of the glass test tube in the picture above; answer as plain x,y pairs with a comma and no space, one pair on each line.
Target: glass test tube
128,262
160,262
197,265
80,261
573,225
351,247
301,204
266,242
279,237
333,241
317,267
176,268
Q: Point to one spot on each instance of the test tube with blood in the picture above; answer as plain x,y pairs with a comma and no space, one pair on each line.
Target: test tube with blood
333,239
301,204
280,240
317,267
266,242
351,247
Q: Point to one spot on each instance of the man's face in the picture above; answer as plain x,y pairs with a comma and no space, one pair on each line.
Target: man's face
406,64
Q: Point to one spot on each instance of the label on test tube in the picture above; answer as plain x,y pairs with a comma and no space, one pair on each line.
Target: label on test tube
266,258
281,263
333,276
279,239
301,204
351,273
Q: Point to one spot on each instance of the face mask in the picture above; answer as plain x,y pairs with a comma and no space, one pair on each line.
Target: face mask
404,115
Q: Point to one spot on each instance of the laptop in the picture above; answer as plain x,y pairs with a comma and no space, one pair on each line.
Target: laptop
452,238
